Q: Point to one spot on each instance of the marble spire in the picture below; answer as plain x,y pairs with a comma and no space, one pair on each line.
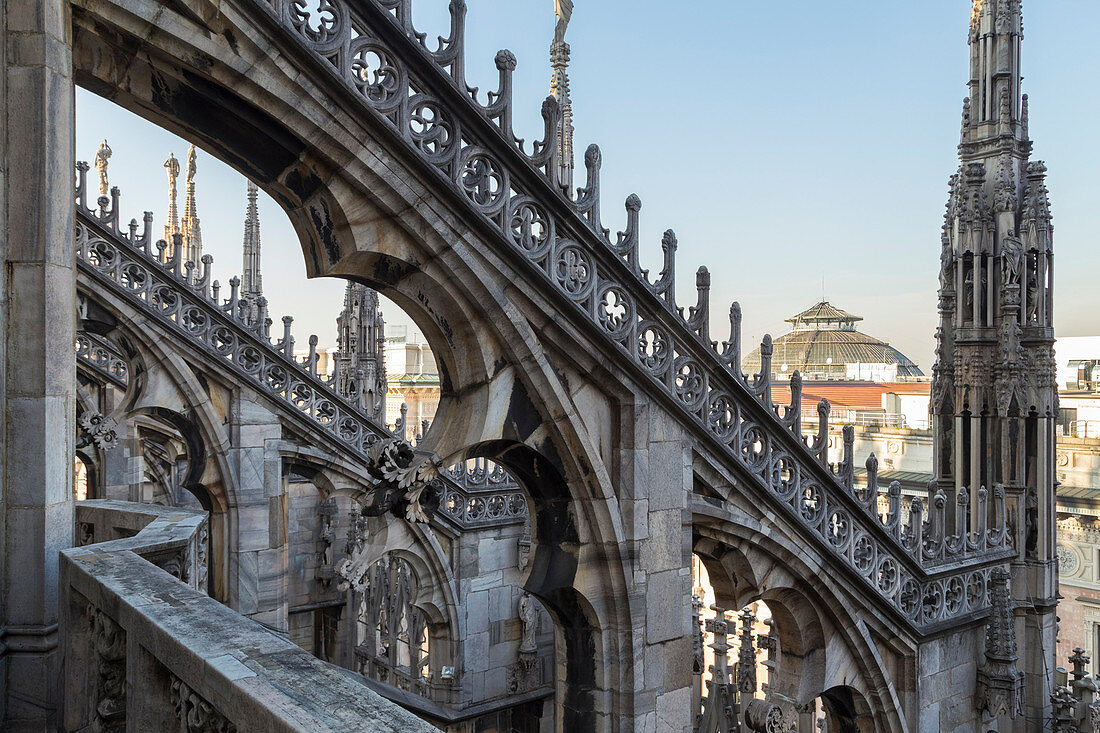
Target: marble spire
173,226
252,280
994,397
361,357
559,89
192,233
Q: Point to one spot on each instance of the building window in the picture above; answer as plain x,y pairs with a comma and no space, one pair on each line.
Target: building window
1095,649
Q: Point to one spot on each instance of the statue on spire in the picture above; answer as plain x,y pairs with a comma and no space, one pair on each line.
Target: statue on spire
189,226
975,13
173,226
191,165
564,10
101,157
173,167
559,90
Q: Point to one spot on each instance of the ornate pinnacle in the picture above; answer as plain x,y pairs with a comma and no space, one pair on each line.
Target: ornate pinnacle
1000,684
253,281
102,155
746,658
559,90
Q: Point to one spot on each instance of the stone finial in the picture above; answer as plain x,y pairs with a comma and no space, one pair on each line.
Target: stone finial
1000,688
102,155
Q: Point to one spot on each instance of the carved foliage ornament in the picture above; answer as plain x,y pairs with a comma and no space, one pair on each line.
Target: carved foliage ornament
96,429
407,490
198,715
109,650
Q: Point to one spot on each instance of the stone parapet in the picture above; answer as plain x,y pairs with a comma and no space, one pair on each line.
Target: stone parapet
144,650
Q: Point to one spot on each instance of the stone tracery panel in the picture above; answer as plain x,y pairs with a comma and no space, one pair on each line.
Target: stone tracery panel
391,634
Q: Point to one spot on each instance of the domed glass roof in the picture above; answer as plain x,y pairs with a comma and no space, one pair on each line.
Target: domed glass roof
822,345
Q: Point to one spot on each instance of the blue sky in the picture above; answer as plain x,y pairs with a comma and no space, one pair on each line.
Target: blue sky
786,143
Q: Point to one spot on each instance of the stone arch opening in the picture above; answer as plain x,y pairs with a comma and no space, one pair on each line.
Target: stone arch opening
392,639
334,546
844,710
179,429
331,186
810,642
552,578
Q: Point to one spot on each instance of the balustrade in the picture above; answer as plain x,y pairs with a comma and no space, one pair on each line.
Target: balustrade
236,334
146,649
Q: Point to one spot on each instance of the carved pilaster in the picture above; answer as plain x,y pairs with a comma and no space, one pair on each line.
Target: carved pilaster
108,642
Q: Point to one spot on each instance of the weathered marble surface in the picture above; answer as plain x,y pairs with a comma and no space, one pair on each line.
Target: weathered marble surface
175,635
37,374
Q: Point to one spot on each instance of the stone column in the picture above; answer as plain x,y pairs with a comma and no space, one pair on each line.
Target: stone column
258,554
37,364
663,638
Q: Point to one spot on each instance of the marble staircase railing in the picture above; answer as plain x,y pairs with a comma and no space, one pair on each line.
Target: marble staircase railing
146,651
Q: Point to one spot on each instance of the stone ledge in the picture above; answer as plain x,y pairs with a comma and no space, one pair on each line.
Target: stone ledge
178,649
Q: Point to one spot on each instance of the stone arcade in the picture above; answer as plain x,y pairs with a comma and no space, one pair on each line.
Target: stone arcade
262,552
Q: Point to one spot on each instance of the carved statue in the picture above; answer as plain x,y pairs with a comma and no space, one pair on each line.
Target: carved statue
564,10
101,157
947,259
1031,524
529,620
968,291
173,167
1032,315
191,164
1003,22
1012,258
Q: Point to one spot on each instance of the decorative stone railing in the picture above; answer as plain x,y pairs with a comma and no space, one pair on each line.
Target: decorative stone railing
422,96
102,356
233,333
144,651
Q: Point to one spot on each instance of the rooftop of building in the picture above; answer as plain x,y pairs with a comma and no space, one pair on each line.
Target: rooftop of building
850,395
822,316
824,342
